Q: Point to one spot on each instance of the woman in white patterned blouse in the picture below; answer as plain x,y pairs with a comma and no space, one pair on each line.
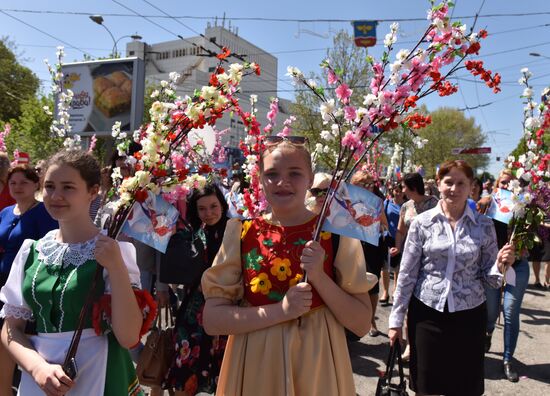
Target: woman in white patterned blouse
450,253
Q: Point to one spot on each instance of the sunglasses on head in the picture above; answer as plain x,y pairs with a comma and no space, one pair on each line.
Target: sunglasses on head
275,140
318,192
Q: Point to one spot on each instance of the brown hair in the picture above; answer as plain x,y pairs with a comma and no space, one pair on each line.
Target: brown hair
84,162
4,166
286,145
455,164
27,171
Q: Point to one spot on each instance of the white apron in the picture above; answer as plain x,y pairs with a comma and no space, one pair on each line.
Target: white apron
91,360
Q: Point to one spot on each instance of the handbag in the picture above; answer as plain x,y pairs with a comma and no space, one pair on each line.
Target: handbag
156,356
385,386
185,258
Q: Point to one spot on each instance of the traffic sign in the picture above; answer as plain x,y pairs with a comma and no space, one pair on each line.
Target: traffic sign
473,150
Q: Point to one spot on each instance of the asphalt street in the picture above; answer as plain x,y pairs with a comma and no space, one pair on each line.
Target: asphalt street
532,353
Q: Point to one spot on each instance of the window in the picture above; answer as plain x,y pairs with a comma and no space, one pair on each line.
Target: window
131,53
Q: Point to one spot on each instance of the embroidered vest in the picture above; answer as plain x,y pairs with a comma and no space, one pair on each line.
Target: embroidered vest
271,259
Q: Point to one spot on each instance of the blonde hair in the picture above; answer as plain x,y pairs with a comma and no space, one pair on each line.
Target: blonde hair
504,172
286,146
318,179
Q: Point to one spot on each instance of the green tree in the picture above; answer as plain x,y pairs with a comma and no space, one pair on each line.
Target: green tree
350,62
449,129
17,82
31,131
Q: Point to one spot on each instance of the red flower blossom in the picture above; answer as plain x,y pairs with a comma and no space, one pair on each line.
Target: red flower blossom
482,33
410,102
257,69
223,172
205,169
417,121
182,174
141,195
138,155
225,53
214,80
159,172
446,89
473,48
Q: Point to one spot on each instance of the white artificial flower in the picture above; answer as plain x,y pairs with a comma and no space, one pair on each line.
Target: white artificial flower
327,108
527,93
370,99
532,123
419,142
115,130
524,70
174,77
164,83
155,93
312,83
326,135
519,173
402,54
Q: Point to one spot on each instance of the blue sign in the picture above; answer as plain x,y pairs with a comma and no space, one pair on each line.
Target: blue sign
364,33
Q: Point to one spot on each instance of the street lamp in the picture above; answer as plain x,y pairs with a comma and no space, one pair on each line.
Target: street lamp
536,54
99,20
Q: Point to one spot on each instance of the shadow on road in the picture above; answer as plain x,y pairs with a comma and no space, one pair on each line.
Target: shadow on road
363,358
536,372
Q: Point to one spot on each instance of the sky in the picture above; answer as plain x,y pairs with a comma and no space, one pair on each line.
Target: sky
304,44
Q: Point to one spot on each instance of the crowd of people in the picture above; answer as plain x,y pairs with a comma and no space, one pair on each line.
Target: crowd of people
270,297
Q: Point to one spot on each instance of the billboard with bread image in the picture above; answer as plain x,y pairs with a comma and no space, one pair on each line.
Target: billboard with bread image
105,92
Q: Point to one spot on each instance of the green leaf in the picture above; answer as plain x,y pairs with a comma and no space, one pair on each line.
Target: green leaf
253,260
268,242
300,242
275,296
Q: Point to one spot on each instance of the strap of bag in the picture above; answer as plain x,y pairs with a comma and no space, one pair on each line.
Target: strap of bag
68,364
395,349
395,353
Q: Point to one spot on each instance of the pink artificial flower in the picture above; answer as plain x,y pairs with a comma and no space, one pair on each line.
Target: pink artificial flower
93,142
350,113
343,93
351,140
332,77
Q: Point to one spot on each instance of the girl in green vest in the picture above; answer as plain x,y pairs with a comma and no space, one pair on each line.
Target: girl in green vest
49,281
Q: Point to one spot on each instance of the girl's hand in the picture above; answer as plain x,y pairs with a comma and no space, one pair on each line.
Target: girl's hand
107,252
395,334
506,257
312,260
394,251
297,300
52,379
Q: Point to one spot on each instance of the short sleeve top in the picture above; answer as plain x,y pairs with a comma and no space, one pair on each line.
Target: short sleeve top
411,209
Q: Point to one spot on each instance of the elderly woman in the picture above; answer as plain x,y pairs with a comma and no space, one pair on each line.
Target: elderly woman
450,254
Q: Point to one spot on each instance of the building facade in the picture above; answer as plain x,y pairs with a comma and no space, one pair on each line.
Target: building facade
191,59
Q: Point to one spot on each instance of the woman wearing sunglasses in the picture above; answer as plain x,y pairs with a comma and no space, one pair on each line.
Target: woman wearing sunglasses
315,196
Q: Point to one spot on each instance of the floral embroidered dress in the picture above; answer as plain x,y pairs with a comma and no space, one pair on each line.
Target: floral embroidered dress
256,265
196,365
48,283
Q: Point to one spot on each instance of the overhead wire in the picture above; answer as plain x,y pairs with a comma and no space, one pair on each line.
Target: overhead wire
273,19
218,47
47,34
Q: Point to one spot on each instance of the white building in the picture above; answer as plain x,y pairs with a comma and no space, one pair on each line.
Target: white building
190,58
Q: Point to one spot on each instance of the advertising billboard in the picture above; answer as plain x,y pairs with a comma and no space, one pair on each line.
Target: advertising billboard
105,92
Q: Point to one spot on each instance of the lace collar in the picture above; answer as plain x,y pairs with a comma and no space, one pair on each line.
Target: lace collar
53,252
